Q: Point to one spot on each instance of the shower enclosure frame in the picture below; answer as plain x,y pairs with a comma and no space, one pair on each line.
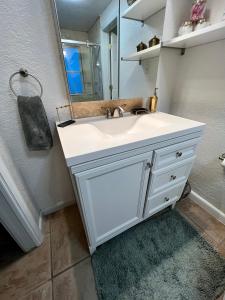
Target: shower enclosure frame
78,44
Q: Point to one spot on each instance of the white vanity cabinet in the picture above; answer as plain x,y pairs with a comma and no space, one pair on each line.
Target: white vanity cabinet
112,196
115,194
125,170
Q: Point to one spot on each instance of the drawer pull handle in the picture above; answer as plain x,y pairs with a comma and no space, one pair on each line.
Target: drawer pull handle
173,177
167,199
179,154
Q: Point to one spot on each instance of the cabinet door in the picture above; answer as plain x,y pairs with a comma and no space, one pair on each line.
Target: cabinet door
113,196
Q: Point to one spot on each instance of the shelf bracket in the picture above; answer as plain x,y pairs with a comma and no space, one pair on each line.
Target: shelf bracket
139,60
183,50
133,19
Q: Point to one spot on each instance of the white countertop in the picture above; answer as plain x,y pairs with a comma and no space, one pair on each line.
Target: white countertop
90,139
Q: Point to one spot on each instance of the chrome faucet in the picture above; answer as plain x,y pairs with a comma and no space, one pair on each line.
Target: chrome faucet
118,112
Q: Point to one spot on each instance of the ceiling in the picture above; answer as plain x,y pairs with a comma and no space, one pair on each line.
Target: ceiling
79,15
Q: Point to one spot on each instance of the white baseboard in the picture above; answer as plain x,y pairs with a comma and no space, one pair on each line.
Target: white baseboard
212,210
58,206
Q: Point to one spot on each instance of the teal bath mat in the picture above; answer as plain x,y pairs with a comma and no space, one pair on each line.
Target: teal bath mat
163,258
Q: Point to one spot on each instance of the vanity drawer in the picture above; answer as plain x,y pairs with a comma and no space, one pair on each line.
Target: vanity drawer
173,154
170,176
163,199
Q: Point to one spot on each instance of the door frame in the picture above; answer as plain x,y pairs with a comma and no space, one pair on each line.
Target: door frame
15,215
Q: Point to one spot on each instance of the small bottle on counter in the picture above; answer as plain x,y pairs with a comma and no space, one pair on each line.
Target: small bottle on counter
153,102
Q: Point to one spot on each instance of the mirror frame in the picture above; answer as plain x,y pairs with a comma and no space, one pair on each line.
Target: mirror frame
60,48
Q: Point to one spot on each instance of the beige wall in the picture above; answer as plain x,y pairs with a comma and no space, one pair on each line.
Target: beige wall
28,39
200,95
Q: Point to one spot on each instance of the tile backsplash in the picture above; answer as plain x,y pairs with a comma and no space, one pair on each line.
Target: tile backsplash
98,108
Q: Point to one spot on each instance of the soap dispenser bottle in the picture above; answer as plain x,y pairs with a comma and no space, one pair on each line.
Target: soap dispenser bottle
153,102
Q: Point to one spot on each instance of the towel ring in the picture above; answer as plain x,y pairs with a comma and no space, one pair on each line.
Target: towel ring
24,73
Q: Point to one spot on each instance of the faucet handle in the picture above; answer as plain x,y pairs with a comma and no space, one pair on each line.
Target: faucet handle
107,111
121,108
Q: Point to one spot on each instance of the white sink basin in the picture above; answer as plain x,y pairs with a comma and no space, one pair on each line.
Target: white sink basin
129,125
87,139
115,126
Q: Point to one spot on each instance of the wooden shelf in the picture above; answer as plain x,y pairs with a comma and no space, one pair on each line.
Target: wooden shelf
206,35
143,9
144,54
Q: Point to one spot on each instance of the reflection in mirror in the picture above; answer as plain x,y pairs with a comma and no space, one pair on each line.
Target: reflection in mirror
89,34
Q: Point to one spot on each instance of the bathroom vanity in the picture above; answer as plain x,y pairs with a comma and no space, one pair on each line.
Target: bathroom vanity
127,169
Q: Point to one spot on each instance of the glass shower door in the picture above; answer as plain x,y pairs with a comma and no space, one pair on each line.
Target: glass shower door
83,70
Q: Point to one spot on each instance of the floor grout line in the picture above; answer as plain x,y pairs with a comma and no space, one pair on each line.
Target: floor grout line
33,288
37,287
72,266
52,264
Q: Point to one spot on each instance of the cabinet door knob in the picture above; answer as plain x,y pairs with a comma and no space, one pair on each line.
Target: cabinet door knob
179,154
173,177
167,199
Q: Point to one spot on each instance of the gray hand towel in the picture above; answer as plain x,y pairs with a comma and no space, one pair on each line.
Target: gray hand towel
35,123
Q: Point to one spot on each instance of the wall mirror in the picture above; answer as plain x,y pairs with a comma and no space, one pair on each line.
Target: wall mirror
89,44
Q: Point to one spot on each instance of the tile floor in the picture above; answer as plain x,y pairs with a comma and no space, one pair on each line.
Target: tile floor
61,268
